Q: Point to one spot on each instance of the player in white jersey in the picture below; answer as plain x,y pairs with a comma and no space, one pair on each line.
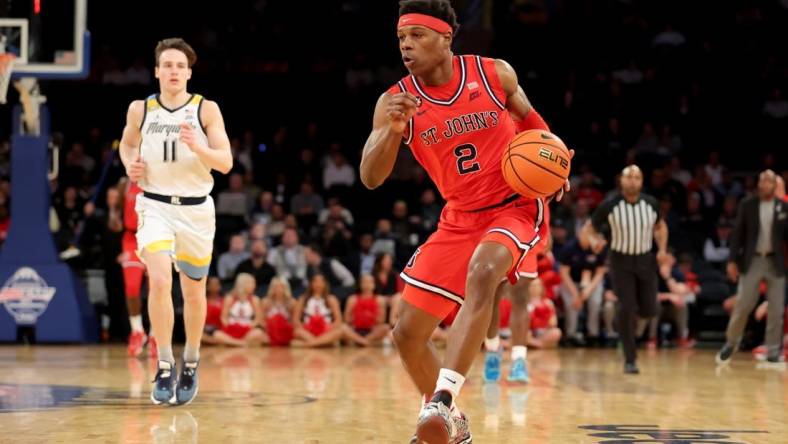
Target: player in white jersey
170,143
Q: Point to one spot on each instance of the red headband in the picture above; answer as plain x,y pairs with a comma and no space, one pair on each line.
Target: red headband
428,21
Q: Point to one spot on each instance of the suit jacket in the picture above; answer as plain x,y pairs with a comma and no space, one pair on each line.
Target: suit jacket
744,238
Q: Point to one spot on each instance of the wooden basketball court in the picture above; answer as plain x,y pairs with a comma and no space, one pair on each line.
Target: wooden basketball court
97,395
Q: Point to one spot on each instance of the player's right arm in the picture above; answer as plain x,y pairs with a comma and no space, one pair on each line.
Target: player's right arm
130,142
392,113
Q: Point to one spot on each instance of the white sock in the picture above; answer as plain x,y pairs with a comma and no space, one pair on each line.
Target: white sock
136,323
450,381
519,351
492,344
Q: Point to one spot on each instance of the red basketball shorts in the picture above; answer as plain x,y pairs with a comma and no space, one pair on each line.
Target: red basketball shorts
436,273
133,268
528,269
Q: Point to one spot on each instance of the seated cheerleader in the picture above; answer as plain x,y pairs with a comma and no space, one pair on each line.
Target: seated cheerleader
276,311
240,315
213,312
317,318
365,314
544,322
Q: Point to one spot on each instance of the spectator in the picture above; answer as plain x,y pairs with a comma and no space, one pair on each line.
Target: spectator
257,232
77,158
589,189
213,312
544,331
669,143
362,260
317,318
729,206
647,142
336,213
337,275
385,240
559,235
669,37
716,250
276,311
777,106
430,211
338,172
336,239
663,185
229,260
307,204
257,266
693,225
387,282
402,226
262,211
289,260
233,201
677,173
728,186
674,295
240,315
309,169
609,312
582,269
276,225
714,168
365,314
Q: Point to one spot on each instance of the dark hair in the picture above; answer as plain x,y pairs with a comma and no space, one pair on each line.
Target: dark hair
316,248
440,9
180,45
310,290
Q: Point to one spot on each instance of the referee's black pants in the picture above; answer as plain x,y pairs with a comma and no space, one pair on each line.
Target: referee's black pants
635,283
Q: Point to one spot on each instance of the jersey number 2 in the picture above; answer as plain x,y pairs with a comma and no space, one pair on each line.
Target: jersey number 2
169,151
466,154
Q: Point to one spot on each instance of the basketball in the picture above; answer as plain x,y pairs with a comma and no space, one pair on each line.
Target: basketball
536,163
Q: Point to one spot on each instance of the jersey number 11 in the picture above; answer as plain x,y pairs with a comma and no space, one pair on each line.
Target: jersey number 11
170,151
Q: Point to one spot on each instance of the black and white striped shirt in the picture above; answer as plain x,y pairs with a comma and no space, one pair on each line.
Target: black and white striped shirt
628,226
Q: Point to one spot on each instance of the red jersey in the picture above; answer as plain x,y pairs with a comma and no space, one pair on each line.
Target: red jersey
459,132
541,313
129,207
213,312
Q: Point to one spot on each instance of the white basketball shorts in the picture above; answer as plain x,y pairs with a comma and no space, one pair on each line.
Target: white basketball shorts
184,231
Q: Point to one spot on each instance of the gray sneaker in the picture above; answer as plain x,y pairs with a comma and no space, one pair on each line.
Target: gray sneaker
187,383
164,384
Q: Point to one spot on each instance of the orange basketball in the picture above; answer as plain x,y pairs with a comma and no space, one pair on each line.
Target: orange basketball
536,163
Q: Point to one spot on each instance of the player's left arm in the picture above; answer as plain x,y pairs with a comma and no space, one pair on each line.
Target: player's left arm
523,113
217,154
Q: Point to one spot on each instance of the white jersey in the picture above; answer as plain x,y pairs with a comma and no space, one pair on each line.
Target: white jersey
172,169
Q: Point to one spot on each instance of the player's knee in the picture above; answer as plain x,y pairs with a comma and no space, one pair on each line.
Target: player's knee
400,336
160,282
483,274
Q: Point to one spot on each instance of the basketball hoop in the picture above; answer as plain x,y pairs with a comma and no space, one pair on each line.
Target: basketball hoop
6,68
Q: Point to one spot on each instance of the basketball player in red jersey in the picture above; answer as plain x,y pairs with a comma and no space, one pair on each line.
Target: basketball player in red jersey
457,114
133,271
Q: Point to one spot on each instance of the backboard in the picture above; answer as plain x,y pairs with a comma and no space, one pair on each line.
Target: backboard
48,37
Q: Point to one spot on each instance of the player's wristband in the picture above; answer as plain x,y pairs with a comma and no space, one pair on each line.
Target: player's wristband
531,121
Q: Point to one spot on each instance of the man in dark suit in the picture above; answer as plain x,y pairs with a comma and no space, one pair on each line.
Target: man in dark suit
757,242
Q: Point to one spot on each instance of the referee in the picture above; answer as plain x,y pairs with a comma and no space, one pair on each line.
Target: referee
630,220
